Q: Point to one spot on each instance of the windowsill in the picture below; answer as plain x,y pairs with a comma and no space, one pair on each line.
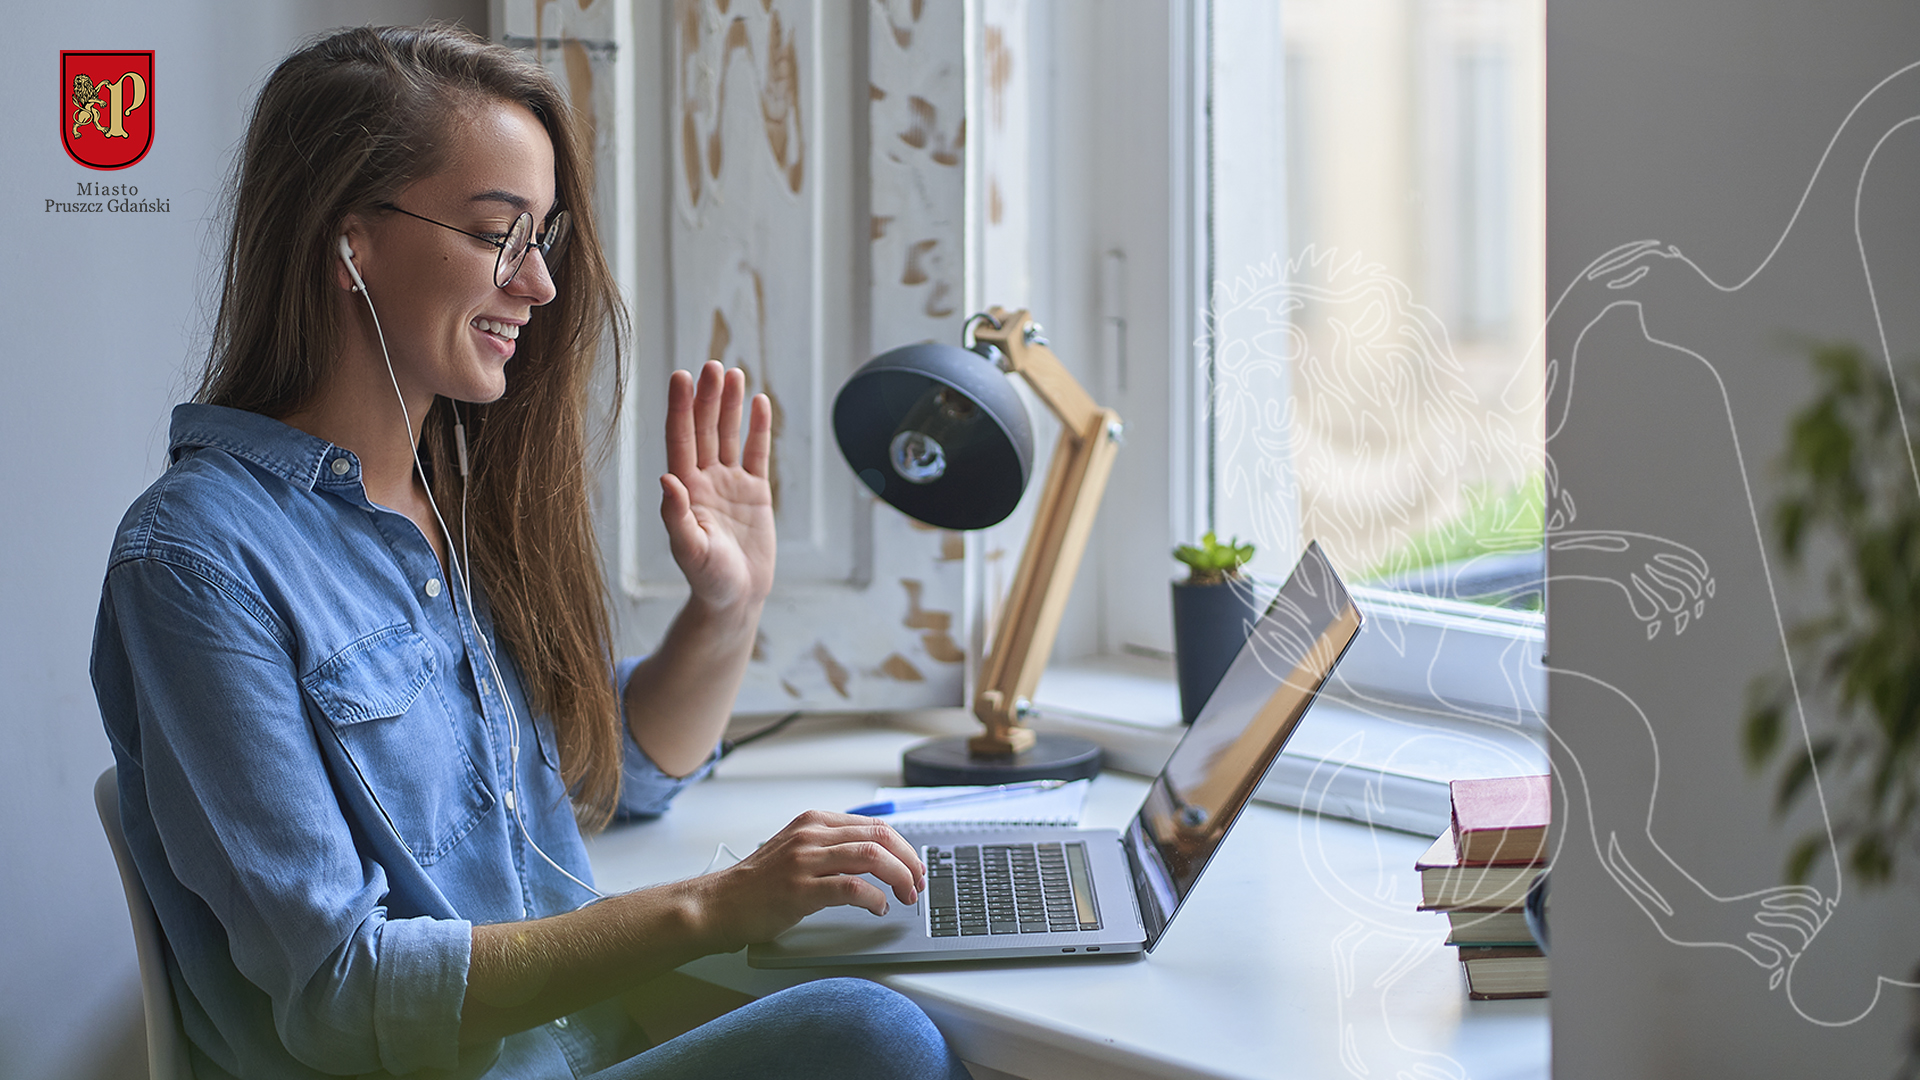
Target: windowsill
1369,761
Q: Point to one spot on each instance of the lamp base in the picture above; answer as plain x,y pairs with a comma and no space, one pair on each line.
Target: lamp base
946,762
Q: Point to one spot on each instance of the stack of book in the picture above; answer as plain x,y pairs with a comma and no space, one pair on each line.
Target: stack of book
1478,872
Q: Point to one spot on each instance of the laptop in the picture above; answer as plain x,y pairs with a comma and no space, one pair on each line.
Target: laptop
995,892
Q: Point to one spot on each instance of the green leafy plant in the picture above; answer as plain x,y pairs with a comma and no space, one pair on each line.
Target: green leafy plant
1850,500
1213,562
1493,521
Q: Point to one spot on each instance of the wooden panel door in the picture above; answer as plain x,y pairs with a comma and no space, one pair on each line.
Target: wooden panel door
784,184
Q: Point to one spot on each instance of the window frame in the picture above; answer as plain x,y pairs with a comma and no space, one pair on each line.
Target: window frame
1461,670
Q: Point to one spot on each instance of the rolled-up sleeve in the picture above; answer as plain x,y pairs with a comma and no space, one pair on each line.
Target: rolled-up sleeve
646,791
246,849
420,983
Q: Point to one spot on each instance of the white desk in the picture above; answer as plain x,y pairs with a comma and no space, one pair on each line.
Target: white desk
1298,955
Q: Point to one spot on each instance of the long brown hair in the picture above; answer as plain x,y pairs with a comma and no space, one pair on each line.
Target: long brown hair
341,127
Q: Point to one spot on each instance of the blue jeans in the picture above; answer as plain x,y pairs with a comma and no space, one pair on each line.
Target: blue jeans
833,1029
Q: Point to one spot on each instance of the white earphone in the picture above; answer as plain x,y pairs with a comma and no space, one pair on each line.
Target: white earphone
359,286
459,565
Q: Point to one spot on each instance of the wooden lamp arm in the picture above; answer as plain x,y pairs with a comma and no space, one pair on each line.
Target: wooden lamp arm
1063,522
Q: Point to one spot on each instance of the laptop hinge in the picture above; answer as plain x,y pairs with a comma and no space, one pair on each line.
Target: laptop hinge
1145,902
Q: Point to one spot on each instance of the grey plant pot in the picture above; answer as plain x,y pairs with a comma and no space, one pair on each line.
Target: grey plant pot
1210,623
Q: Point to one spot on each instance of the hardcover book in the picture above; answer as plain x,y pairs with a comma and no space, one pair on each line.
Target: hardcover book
1505,927
1501,820
1447,883
1493,973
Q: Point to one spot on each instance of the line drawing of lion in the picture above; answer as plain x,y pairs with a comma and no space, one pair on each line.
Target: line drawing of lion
1403,365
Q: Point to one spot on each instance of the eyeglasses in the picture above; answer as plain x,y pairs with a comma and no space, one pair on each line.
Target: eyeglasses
514,243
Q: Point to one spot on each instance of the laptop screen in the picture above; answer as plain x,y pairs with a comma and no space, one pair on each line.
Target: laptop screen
1289,654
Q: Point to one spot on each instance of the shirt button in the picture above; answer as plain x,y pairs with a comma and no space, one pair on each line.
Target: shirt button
560,1022
341,467
433,587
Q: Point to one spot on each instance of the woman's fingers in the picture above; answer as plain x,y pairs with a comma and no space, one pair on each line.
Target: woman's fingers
867,828
835,890
676,512
682,449
853,858
733,395
825,844
897,845
706,413
759,436
878,850
819,860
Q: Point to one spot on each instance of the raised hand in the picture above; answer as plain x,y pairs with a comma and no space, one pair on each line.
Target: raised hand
819,860
715,498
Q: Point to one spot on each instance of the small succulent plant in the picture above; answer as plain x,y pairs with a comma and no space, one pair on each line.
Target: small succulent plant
1213,562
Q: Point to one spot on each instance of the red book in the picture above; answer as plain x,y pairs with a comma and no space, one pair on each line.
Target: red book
1501,820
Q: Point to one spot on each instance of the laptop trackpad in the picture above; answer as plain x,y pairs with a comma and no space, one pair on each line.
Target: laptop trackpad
843,930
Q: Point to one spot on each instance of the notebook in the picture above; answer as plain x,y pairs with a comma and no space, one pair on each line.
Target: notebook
1055,806
1014,891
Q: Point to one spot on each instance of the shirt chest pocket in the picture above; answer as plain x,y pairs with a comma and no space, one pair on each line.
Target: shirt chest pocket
379,699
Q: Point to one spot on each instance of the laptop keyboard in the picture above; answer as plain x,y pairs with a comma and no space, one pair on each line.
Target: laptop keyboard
1042,888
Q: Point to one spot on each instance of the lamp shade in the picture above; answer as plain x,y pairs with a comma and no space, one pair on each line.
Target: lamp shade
938,432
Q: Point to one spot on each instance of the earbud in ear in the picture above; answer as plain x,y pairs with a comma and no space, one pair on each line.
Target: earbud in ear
346,256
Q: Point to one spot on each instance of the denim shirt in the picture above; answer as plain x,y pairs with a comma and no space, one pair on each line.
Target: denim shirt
313,753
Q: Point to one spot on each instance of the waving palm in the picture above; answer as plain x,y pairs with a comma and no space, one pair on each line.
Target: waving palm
715,498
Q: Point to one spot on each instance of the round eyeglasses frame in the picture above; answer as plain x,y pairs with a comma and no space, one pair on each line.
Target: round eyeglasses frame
514,243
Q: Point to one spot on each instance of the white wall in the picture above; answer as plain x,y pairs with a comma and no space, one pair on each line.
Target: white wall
1700,124
104,320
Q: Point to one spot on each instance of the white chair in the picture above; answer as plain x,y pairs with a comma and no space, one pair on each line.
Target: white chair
166,1044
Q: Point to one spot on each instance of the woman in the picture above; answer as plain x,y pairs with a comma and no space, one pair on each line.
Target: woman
353,771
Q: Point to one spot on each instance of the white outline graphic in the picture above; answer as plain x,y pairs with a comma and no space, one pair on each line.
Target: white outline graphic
1790,917
1666,584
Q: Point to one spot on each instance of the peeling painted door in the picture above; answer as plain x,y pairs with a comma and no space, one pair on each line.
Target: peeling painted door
784,187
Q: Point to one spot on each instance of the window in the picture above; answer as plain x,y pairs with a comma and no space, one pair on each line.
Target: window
1413,288
1356,248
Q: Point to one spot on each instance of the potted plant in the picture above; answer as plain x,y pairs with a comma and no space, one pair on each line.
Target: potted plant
1850,491
1851,504
1211,617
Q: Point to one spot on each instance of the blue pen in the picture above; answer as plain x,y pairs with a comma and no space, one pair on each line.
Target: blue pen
896,806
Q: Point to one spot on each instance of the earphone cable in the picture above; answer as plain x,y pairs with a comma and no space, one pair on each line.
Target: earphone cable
461,575
513,715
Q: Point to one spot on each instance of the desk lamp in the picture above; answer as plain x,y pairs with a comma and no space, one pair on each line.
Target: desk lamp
938,432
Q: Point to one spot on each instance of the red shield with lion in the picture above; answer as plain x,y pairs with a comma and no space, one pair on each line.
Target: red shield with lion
106,107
